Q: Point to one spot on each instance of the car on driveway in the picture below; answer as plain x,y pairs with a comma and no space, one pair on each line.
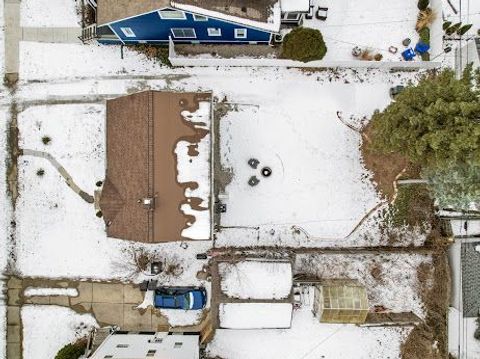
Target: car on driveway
187,298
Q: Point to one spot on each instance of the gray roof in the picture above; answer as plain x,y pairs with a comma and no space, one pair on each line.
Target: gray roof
471,279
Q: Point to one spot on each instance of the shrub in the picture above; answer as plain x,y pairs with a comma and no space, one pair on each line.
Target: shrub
454,28
40,172
46,140
425,35
425,18
153,52
425,56
72,351
463,29
378,57
366,55
304,44
423,4
446,25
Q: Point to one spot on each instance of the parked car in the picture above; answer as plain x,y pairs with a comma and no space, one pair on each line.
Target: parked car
394,91
187,298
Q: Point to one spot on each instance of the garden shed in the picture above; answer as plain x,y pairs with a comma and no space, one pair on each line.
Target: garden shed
340,301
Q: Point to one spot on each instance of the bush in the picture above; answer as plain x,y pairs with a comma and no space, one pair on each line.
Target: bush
40,172
378,57
46,140
303,44
425,18
423,4
153,52
446,25
425,35
454,28
463,29
425,56
72,351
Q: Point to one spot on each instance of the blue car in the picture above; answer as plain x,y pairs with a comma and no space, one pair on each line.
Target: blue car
187,298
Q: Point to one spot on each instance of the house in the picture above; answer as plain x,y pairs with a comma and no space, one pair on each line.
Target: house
157,186
150,345
340,301
192,21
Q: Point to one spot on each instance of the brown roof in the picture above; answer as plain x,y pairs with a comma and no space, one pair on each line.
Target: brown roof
258,10
113,10
143,130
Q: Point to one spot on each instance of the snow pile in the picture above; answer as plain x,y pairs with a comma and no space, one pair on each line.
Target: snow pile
179,317
255,315
256,280
196,169
309,339
44,340
49,13
32,292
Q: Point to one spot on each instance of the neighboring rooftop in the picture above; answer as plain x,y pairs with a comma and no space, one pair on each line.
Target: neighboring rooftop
157,184
471,279
257,10
113,10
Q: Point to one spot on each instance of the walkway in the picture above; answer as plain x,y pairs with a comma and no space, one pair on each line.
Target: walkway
63,172
14,33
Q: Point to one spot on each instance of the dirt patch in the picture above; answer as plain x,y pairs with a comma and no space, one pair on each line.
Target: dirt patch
228,51
384,167
429,339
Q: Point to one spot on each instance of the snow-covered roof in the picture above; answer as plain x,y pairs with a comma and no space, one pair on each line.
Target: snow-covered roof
256,280
159,345
272,23
157,185
255,315
295,5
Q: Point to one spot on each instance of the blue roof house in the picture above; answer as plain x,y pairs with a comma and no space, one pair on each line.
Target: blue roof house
189,21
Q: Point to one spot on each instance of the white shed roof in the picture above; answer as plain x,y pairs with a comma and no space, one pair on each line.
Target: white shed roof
255,315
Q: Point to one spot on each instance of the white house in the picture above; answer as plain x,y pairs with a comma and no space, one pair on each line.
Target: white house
146,345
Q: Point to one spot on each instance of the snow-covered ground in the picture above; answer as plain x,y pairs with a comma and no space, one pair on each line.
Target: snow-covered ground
308,339
390,279
358,23
50,13
43,339
461,330
256,279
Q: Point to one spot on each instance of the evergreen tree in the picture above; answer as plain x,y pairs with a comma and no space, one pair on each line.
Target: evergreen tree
456,186
435,124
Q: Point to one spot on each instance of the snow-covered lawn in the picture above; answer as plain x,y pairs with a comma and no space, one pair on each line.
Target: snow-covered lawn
46,329
50,13
390,279
318,182
256,279
359,23
308,339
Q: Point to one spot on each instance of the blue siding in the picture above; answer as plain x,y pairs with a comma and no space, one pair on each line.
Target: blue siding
152,29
